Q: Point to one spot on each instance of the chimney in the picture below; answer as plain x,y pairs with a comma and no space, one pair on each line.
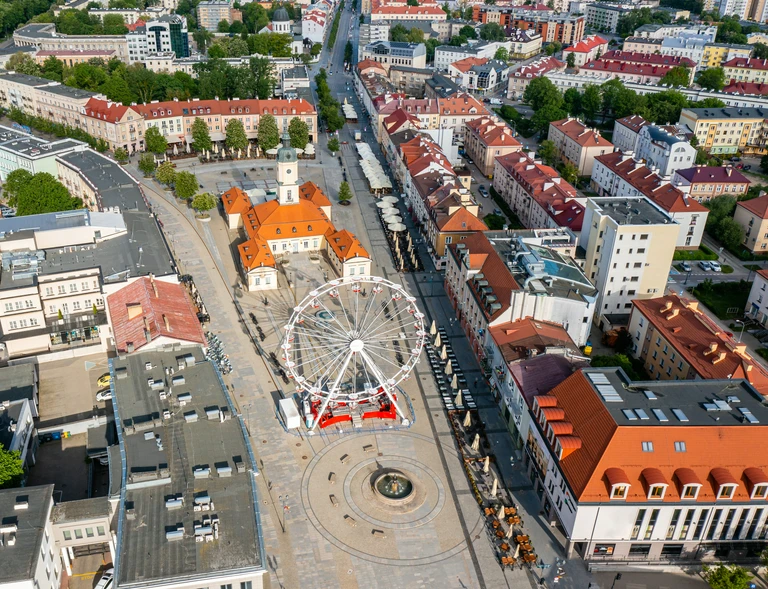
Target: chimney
692,305
740,349
675,312
720,357
134,310
167,323
154,286
712,349
667,306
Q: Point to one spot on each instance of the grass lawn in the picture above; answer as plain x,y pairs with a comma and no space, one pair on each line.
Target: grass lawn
703,253
514,222
726,300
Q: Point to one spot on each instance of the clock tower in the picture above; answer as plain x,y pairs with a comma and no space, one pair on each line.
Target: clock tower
287,173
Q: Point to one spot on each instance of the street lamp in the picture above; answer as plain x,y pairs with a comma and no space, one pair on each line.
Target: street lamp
616,578
743,325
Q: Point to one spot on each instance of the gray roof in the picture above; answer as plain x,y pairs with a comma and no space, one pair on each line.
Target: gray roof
8,417
13,50
84,509
40,31
299,72
661,136
23,144
20,560
632,210
25,79
686,396
442,86
729,113
161,455
280,15
70,92
17,382
643,40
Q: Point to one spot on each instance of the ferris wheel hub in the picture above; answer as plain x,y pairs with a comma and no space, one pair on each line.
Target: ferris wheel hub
356,345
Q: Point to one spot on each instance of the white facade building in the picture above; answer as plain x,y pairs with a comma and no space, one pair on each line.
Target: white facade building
664,151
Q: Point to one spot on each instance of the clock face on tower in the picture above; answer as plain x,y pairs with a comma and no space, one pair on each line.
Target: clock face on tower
288,171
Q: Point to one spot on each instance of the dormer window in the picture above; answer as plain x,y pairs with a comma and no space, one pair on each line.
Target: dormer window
690,492
293,230
657,492
724,483
619,491
278,231
726,491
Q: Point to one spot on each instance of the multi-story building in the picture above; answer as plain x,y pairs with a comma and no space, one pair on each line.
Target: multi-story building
577,144
664,151
755,10
120,126
72,57
561,27
211,12
689,47
523,44
626,132
618,174
520,78
425,11
537,194
628,245
587,49
716,54
745,88
316,19
746,70
19,150
643,453
642,45
39,97
30,557
757,302
666,31
45,38
727,130
196,473
130,15
445,55
410,80
493,278
605,17
677,341
648,64
703,183
487,138
479,76
167,34
389,53
752,215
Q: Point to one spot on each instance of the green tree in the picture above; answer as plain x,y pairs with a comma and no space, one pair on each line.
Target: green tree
45,194
348,52
333,145
22,63
223,26
617,360
154,141
264,76
202,38
760,51
707,103
572,101
547,152
345,192
236,137
544,116
116,88
147,164
11,468
501,54
269,136
316,49
727,576
665,107
541,92
299,133
121,154
729,232
165,173
201,138
203,202
13,183
569,173
114,25
570,61
492,32
553,48
185,185
52,69
591,101
712,78
468,32
413,2
216,51
677,76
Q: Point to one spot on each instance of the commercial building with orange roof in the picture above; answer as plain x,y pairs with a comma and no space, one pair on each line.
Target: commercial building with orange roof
578,144
120,126
487,138
297,220
752,215
677,341
536,193
628,471
619,174
493,278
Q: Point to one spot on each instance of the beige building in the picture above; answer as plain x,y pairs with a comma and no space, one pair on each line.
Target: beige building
578,144
746,69
485,139
628,244
120,126
45,38
642,45
211,12
73,57
728,130
752,215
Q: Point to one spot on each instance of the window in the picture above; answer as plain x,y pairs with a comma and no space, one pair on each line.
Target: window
713,524
726,491
673,523
647,446
686,525
604,549
727,523
639,549
657,492
100,530
700,524
679,446
638,522
246,585
690,491
79,534
227,586
67,535
651,524
759,491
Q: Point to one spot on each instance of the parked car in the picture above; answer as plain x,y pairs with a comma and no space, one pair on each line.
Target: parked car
104,395
705,265
104,380
483,191
497,212
715,266
686,267
106,579
747,167
735,159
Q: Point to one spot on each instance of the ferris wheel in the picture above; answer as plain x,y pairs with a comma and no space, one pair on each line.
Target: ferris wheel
348,345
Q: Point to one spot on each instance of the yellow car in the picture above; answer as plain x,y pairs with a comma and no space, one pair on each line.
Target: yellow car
104,380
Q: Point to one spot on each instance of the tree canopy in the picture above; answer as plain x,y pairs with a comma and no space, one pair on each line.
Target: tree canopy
299,133
677,76
712,78
147,164
154,141
43,193
269,136
727,577
165,173
235,135
204,201
492,32
185,185
11,468
345,193
201,138
13,183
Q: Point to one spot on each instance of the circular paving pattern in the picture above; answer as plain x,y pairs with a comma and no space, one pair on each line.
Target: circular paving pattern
339,500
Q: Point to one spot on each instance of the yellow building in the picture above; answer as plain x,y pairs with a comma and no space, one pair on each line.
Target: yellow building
746,70
728,130
752,215
716,54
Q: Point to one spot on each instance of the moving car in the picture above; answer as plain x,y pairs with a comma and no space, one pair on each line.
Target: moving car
104,395
106,579
104,380
715,266
705,265
483,191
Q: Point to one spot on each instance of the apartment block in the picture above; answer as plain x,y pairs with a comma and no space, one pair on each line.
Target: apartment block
746,70
628,245
485,139
578,144
716,54
561,27
520,77
757,302
19,150
703,183
389,53
727,130
752,215
211,12
587,49
45,38
604,17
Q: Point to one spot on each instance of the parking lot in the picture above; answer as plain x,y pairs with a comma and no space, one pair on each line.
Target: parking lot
86,571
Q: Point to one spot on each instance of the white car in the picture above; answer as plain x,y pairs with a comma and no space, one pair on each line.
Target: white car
715,266
104,395
106,579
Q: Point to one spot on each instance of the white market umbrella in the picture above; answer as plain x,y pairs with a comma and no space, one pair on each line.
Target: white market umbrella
187,147
272,151
495,486
396,227
438,342
486,462
175,149
502,513
449,368
389,219
248,151
390,199
433,328
239,154
476,441
509,535
467,419
216,148
455,381
383,205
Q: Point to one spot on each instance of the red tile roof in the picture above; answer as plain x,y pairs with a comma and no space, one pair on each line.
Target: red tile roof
647,58
628,68
757,206
493,132
105,109
588,44
747,63
157,309
460,221
461,104
538,67
464,65
190,108
734,87
516,339
634,122
345,245
580,133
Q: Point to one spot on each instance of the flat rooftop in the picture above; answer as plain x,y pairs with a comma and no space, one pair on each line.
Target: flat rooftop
729,113
632,211
165,438
18,382
20,560
677,402
32,147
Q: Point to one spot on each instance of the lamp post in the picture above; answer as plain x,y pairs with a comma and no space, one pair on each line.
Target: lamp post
616,578
743,325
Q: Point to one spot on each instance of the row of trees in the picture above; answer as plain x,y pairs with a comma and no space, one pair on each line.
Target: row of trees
335,25
34,194
57,129
329,109
81,22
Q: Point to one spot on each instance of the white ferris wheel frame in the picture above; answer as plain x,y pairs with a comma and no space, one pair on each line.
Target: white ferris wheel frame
348,340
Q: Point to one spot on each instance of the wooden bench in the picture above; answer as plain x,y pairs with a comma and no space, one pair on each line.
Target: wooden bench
351,521
378,534
344,459
332,478
334,501
368,448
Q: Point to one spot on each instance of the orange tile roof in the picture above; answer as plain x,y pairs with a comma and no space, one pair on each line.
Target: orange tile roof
461,104
105,109
254,253
493,132
461,221
581,134
587,44
312,193
270,220
369,63
516,339
345,245
235,201
191,108
757,206
703,345
464,65
399,119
